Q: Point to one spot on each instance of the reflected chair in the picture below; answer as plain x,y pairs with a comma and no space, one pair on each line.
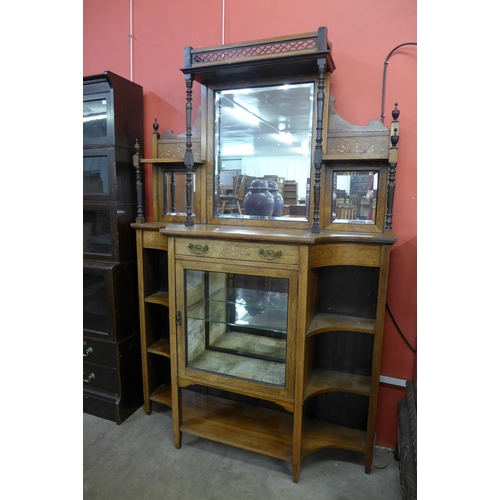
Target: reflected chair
231,202
345,212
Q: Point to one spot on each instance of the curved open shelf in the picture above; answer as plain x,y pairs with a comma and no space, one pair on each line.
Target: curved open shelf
318,435
163,395
162,347
158,298
324,322
322,381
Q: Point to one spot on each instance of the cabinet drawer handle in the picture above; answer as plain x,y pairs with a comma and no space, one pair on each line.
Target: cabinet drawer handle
88,380
88,352
270,254
198,249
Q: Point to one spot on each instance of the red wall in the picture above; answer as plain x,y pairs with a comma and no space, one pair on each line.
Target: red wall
362,34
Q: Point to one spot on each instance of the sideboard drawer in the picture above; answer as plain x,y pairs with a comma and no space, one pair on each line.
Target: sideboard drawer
269,253
154,239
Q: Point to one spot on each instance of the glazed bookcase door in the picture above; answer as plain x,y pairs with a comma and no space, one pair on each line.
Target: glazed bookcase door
236,327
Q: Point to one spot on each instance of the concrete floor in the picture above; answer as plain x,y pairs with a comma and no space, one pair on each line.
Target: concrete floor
137,460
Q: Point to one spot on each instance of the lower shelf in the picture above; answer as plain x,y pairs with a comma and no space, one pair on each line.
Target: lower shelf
253,428
261,430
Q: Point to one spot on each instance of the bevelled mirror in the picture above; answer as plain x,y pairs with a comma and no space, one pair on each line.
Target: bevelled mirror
354,197
263,139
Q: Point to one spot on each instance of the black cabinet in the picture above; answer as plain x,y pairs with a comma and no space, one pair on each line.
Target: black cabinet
112,122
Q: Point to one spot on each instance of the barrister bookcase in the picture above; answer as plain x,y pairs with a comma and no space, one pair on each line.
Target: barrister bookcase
112,123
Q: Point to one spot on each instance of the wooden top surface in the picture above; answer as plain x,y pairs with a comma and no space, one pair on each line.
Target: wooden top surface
282,235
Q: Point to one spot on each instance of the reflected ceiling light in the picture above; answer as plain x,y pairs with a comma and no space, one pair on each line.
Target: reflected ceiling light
249,90
90,118
285,137
237,150
301,151
240,114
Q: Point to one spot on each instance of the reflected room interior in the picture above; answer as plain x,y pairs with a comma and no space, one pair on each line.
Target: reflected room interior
263,133
354,197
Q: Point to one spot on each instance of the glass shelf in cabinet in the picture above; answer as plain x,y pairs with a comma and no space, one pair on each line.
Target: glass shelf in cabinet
251,298
265,319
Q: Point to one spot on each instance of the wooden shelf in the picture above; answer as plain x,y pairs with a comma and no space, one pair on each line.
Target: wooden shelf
261,430
253,428
324,322
322,381
176,163
162,347
163,160
318,435
158,298
162,395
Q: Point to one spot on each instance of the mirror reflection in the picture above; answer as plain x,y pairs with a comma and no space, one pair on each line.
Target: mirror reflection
174,200
94,119
354,197
263,139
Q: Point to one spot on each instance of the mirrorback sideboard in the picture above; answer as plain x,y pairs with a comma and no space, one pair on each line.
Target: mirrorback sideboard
265,331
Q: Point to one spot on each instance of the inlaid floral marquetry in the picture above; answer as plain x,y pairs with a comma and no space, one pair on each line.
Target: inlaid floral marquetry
176,150
349,148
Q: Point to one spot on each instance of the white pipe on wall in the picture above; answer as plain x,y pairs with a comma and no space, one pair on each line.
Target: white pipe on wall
392,381
223,15
131,41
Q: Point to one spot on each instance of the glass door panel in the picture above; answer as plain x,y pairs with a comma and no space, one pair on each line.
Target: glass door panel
95,118
97,232
237,324
95,302
95,174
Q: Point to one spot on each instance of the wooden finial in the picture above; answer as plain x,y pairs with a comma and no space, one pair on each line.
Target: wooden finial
156,126
393,162
395,112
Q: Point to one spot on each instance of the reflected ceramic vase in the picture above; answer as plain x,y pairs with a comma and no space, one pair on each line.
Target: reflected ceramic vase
258,200
278,199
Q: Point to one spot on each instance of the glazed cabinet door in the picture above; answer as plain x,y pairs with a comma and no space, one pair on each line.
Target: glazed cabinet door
236,327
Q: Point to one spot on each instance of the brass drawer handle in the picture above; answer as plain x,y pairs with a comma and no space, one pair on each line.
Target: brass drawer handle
88,352
270,254
88,380
198,249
